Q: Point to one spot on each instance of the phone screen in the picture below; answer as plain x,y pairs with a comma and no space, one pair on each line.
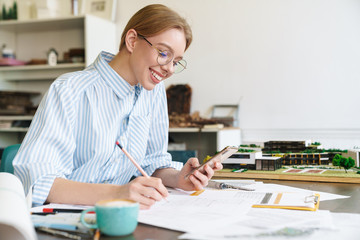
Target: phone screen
219,157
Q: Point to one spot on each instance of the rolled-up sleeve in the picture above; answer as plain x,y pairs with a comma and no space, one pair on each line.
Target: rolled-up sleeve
47,150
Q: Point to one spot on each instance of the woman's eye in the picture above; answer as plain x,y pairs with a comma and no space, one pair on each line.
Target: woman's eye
164,53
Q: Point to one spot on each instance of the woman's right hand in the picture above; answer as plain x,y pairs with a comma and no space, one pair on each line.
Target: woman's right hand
144,190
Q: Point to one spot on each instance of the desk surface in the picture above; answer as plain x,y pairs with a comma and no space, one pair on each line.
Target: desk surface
348,205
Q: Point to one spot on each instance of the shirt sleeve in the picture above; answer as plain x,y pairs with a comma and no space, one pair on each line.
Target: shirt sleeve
47,150
156,156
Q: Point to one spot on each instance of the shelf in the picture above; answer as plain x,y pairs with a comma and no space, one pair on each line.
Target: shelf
38,72
41,67
181,130
206,141
31,39
43,24
14,129
196,129
16,118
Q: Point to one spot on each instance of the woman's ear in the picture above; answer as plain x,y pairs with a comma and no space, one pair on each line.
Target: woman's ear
130,40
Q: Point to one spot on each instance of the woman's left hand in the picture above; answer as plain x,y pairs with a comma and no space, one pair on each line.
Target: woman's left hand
197,180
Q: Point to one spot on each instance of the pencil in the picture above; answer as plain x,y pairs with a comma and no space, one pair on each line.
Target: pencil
97,234
132,160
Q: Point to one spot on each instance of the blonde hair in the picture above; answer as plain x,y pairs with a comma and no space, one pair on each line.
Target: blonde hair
154,19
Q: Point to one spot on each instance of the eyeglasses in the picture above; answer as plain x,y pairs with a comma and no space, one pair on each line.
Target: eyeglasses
165,57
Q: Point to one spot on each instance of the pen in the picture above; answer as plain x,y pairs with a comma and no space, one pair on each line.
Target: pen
222,185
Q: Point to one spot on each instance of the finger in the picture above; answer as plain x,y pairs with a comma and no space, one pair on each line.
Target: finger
197,184
146,201
138,193
193,162
146,204
218,166
152,193
157,185
149,188
144,207
209,172
201,177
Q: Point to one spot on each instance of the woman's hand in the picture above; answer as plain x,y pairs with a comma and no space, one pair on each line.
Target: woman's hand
197,180
144,190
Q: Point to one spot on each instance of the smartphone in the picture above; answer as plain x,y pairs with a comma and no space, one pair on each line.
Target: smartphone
219,157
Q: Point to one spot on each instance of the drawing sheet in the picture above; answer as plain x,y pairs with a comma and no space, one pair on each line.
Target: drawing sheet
266,221
214,210
321,225
182,212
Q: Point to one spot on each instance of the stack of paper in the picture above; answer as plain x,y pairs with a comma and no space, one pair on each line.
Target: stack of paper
229,214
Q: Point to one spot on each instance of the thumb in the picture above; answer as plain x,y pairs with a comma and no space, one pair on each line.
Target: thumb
193,162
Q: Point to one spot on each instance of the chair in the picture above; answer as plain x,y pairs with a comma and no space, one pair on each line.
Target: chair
7,158
182,156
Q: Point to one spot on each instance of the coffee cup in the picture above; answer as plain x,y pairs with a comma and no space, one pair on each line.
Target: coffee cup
117,217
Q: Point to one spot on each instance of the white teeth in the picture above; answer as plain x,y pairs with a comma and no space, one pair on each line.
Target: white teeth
156,76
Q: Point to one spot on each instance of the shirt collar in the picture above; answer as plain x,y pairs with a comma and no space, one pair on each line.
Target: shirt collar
121,87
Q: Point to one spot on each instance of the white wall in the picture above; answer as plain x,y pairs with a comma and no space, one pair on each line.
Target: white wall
293,65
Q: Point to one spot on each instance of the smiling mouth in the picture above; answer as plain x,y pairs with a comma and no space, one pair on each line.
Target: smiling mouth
156,76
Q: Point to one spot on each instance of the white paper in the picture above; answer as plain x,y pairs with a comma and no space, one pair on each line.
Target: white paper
266,222
217,214
182,212
320,225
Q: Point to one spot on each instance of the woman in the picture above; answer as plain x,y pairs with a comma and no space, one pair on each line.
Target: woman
69,154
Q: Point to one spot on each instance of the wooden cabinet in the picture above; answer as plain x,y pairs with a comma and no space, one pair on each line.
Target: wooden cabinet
206,141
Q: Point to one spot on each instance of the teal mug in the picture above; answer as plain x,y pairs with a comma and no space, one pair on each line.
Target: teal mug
117,217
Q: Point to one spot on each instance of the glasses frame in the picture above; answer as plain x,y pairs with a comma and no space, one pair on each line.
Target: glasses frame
162,54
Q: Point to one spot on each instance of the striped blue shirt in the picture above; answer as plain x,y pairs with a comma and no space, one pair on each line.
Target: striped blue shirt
80,118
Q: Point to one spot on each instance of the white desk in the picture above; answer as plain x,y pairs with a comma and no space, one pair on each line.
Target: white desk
206,141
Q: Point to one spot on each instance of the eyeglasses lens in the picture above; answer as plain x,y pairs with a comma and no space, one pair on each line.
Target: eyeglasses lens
180,66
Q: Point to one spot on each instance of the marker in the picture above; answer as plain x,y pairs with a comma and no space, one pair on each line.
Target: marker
222,185
41,213
61,210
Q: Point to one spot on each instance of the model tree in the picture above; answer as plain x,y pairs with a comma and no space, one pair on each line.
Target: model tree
344,162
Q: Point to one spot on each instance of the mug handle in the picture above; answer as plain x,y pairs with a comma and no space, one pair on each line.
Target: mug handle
82,218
